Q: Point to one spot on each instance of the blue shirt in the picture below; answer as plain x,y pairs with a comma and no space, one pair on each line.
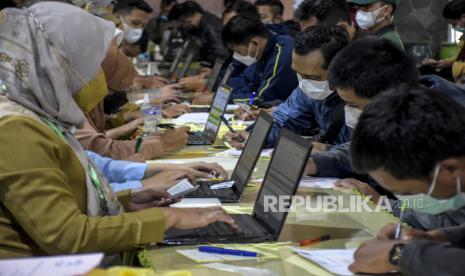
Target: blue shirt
122,175
300,113
271,78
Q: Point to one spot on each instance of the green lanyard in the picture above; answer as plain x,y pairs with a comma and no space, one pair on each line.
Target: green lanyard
92,173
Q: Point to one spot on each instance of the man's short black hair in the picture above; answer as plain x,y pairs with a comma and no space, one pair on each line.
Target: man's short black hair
370,66
454,9
184,10
127,6
406,131
327,12
328,40
242,7
168,2
277,8
241,29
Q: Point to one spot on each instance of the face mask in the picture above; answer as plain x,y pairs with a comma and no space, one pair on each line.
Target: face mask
92,93
131,35
459,29
352,115
247,60
366,20
317,90
428,204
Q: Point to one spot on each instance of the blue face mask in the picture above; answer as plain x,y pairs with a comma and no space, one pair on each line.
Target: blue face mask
427,204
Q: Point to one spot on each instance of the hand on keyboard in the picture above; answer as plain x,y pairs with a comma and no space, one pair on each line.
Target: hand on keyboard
197,217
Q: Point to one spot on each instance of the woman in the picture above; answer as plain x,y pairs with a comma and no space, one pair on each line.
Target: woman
53,201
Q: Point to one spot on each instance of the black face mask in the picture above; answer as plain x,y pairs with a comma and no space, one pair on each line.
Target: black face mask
114,102
189,31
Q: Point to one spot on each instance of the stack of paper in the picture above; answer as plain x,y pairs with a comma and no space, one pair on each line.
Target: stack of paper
237,153
197,203
336,261
195,118
59,265
318,182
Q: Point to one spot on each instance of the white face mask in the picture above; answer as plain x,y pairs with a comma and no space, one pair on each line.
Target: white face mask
352,115
131,35
366,20
317,90
428,204
247,60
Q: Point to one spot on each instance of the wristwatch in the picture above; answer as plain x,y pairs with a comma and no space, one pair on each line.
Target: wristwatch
396,253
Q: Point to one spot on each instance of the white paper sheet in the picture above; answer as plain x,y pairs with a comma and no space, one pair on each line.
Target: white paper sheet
318,182
195,118
237,153
335,261
57,266
201,257
243,270
181,187
197,203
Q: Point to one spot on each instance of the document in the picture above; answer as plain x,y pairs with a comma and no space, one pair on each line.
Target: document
197,203
57,266
182,188
336,261
242,270
318,182
195,118
237,153
203,257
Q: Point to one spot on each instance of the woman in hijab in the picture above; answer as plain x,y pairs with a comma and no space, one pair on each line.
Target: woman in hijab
52,199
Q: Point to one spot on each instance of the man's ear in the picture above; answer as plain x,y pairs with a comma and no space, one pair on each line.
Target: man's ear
388,12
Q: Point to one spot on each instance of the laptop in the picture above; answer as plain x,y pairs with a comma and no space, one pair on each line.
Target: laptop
210,86
208,135
179,54
281,180
244,168
227,74
186,65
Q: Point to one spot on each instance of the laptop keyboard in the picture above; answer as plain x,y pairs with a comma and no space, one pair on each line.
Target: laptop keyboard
204,189
198,137
247,227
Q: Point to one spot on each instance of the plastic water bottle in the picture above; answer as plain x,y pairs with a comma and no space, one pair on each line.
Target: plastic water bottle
152,110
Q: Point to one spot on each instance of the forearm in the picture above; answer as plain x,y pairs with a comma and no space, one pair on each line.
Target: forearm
118,132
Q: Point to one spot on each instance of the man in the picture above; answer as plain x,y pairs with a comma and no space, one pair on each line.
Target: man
410,140
358,73
376,17
242,8
157,25
134,16
326,13
271,11
270,54
195,22
313,105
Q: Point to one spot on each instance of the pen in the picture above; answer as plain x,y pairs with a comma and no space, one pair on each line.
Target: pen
139,143
312,241
225,251
231,129
401,220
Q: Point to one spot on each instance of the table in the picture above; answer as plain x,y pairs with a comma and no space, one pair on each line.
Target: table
347,230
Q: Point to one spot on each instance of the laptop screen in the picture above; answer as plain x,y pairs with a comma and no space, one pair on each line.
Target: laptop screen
281,180
179,53
215,73
251,152
220,102
186,65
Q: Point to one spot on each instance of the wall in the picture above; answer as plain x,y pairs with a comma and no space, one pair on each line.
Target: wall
421,21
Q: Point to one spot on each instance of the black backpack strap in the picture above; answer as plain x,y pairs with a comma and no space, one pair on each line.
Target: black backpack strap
331,134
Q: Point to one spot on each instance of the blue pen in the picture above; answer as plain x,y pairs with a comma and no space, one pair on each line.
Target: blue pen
225,251
252,98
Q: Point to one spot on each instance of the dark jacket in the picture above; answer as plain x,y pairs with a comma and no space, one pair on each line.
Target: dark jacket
212,46
272,78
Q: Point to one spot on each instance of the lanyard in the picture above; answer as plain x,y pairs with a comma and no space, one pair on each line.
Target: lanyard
92,173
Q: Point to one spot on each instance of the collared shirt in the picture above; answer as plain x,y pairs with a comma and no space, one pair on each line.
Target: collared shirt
300,113
122,175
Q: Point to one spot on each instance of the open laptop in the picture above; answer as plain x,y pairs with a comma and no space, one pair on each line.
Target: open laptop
208,135
177,58
281,180
210,86
244,168
186,64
